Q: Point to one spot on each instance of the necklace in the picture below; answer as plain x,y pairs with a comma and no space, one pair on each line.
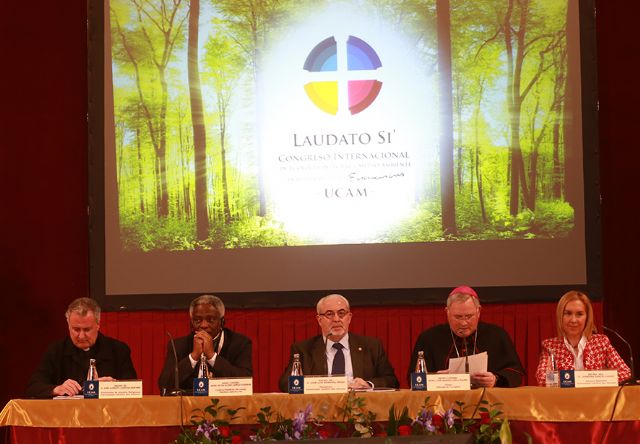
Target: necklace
475,340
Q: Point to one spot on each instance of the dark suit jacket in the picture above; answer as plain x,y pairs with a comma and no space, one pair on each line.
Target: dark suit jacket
368,359
233,360
63,361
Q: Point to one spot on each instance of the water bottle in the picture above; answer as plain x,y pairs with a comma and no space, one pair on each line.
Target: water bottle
92,373
421,364
296,367
203,370
552,377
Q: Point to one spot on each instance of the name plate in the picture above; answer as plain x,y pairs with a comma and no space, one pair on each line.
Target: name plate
325,384
120,389
588,378
448,381
231,387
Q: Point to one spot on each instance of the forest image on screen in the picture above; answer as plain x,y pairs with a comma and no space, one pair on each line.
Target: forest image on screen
311,122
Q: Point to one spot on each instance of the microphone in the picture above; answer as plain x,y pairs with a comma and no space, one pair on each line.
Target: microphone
632,379
176,372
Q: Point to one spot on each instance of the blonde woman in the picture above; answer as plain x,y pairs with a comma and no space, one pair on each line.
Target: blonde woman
578,346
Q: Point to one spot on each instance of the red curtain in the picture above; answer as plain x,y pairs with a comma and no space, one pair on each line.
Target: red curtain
274,330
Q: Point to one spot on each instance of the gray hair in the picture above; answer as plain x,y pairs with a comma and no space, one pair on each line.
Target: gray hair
462,297
207,299
83,306
322,300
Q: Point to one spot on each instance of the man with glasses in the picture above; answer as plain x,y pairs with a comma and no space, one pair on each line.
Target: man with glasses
337,351
227,353
464,335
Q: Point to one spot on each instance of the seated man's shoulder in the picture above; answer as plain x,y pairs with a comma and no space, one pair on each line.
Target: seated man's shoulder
312,340
362,338
437,330
308,343
113,343
491,328
59,347
237,337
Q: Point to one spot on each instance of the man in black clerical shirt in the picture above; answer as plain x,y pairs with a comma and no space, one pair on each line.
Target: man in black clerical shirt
464,335
227,353
64,366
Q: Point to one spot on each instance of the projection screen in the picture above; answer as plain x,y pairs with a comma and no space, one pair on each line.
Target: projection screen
278,149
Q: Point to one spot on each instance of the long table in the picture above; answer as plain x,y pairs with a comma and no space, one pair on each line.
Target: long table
547,414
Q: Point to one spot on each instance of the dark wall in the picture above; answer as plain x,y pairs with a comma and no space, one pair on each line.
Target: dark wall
43,175
618,48
44,255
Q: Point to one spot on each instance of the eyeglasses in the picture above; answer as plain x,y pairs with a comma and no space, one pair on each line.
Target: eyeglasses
209,319
466,317
331,314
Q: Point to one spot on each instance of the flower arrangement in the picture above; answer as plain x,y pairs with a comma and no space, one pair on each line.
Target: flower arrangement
487,427
207,428
357,421
273,426
484,423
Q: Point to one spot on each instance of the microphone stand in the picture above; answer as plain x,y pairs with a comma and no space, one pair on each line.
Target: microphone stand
177,391
632,380
466,356
326,355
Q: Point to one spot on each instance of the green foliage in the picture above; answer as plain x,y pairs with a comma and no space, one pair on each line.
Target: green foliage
273,426
482,420
207,428
553,219
252,232
153,130
397,420
425,225
357,421
148,234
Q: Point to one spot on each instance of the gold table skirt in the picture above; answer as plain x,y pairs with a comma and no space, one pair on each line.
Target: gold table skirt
521,404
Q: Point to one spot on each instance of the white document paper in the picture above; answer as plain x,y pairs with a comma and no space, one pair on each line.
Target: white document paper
477,363
230,386
120,389
596,378
446,382
325,384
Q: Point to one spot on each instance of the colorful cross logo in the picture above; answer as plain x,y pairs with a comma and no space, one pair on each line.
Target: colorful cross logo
325,61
